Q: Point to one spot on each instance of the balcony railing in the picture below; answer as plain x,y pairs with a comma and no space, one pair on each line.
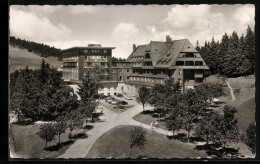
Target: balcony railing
198,75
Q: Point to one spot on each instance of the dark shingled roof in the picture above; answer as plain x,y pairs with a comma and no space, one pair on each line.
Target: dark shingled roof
163,54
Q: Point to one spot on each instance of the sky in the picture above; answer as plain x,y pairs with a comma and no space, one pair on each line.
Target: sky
122,26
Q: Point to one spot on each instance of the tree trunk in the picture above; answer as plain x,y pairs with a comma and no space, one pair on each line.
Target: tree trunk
18,117
143,107
173,132
92,120
59,138
130,152
188,137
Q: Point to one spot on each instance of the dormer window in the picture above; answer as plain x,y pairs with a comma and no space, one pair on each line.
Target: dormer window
189,55
147,56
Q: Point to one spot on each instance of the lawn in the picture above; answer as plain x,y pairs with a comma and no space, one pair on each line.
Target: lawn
20,58
115,144
26,144
147,118
244,91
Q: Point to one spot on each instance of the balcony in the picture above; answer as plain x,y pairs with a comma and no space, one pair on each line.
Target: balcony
69,60
198,75
96,60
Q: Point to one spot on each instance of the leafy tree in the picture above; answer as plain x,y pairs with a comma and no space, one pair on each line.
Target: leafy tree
46,132
88,92
60,126
137,138
75,120
173,122
162,92
251,137
225,127
205,127
143,95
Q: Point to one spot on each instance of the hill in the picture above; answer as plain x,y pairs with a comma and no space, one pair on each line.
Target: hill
20,58
244,92
115,144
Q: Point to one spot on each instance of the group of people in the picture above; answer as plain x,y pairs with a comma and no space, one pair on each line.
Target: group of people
154,125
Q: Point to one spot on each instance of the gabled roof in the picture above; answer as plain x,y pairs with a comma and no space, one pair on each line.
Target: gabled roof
163,54
168,58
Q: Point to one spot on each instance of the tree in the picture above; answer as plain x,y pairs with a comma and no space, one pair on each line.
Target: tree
143,95
225,127
60,126
173,122
197,46
88,92
137,138
46,132
251,137
75,120
205,127
163,94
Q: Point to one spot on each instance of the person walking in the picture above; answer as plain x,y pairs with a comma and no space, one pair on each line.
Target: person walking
151,126
156,124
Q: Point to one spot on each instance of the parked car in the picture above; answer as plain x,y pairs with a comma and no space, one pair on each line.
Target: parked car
119,95
122,103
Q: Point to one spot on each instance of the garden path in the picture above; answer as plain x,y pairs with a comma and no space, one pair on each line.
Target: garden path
109,120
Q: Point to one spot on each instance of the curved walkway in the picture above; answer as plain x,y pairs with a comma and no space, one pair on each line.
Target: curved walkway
231,90
109,120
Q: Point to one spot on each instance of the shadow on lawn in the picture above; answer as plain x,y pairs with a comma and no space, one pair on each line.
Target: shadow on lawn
88,127
59,146
180,136
81,135
215,150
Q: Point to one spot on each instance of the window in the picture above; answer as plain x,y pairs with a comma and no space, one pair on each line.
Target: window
179,63
103,64
114,93
147,56
179,73
127,70
189,63
108,88
179,80
85,51
105,51
114,70
104,57
198,63
127,77
189,55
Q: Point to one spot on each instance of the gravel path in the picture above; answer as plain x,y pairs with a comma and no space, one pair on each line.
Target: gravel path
109,120
231,91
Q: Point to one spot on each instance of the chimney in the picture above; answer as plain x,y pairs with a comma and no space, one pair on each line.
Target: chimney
168,38
134,47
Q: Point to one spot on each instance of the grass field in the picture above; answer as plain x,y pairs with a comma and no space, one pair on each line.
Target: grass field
20,58
26,144
244,91
115,144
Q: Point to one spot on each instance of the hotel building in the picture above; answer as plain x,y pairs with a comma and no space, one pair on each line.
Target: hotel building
148,65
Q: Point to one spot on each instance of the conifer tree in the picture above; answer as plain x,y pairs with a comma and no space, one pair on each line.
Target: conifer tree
88,92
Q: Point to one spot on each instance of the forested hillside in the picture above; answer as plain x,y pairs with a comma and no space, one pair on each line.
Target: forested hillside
20,58
233,56
39,49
